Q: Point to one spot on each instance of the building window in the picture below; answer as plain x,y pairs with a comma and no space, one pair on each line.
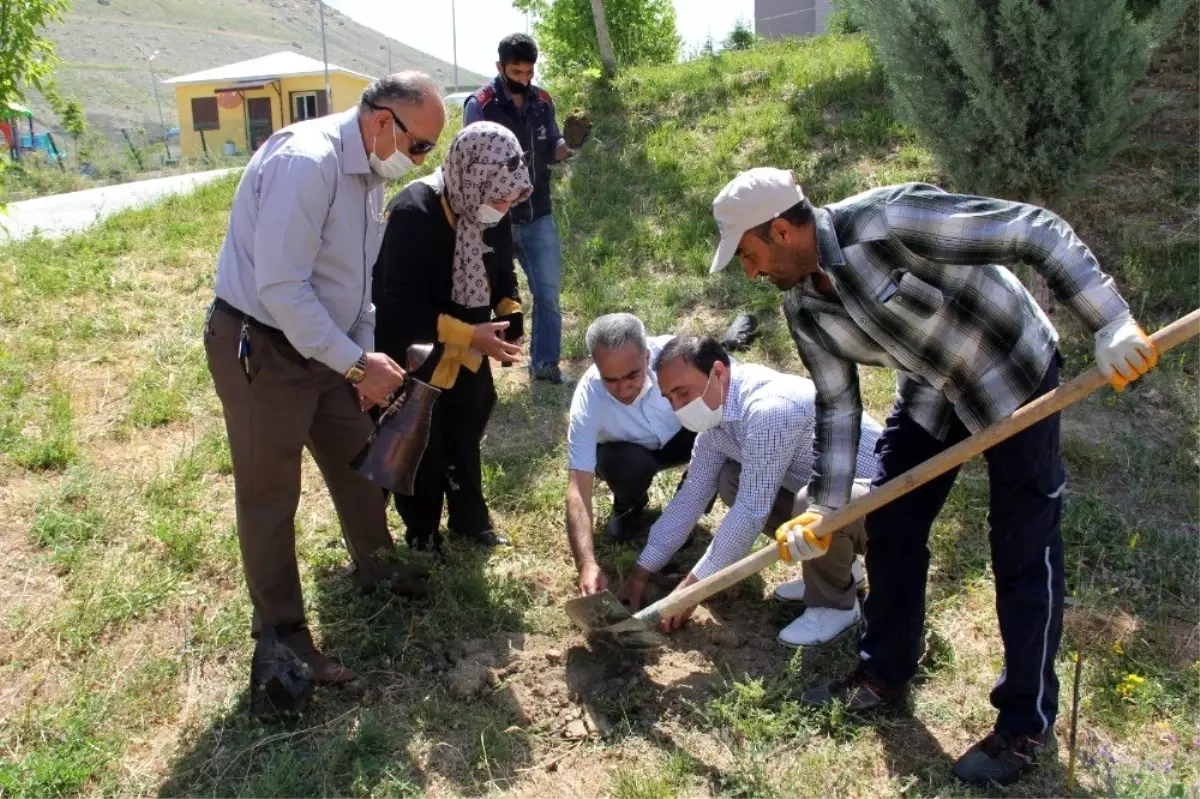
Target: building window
304,106
204,114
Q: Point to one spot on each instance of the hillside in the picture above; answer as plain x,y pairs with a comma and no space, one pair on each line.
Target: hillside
103,68
123,614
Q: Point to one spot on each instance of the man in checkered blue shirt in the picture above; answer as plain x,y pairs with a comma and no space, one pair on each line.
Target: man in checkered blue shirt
754,447
913,278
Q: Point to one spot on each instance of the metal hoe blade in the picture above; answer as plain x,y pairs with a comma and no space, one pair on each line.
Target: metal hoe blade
603,616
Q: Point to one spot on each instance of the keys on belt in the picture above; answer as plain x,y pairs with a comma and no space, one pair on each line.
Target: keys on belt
243,348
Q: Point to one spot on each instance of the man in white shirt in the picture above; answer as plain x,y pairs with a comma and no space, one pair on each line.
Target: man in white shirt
755,431
290,341
623,431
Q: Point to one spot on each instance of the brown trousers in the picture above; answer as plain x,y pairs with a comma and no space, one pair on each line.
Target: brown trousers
284,405
827,579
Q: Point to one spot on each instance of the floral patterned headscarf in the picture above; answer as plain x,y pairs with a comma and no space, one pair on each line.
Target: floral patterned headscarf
485,164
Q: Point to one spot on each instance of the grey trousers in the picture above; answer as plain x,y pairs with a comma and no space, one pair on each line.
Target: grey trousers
284,405
827,579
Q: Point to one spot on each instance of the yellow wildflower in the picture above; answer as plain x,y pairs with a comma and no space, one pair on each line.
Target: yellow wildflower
1118,647
1128,686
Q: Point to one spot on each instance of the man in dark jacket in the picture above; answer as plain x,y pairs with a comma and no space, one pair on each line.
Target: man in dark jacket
513,101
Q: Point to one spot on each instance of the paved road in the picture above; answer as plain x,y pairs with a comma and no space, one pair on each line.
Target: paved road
60,214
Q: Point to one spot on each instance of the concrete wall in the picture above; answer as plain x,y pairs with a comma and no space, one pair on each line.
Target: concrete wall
774,19
233,124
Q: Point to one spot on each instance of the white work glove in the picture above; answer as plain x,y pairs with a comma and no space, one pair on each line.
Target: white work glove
1124,352
797,541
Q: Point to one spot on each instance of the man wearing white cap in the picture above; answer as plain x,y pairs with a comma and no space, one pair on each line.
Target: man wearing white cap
913,278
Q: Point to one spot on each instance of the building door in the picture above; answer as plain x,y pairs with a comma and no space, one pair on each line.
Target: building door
258,110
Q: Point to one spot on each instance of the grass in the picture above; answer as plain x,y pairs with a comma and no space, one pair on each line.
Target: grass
123,617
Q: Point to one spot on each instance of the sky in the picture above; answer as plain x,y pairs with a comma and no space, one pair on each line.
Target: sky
426,24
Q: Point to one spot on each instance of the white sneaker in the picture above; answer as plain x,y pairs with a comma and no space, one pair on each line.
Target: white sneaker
819,626
794,591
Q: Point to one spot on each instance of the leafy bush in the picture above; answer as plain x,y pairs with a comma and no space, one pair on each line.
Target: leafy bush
1018,98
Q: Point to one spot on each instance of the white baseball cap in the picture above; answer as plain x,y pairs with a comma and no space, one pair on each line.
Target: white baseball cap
752,198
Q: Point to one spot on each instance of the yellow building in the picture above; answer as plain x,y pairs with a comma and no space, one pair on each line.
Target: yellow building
233,109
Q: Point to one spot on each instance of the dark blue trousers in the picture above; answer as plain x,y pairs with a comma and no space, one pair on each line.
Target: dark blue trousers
1026,479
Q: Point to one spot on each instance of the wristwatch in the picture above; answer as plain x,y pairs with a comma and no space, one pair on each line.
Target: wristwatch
358,371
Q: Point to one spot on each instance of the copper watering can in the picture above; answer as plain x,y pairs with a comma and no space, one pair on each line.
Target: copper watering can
393,453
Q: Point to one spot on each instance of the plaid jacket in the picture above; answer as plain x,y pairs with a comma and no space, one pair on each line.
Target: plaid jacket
920,289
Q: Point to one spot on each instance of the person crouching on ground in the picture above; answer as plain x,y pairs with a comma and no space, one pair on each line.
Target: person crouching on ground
623,431
754,446
445,274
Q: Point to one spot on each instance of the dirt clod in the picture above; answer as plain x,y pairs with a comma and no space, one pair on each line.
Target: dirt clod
467,679
576,731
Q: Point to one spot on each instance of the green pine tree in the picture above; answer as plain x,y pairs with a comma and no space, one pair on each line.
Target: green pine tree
1025,99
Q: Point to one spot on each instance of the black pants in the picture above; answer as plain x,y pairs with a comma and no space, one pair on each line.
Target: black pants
451,466
1026,480
630,468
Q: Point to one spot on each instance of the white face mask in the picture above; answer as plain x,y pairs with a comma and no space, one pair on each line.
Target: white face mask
396,164
489,216
697,416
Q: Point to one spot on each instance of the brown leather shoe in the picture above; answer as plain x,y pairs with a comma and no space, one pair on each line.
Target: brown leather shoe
326,670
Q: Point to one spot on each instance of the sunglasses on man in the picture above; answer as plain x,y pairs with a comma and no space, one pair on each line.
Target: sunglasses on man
416,146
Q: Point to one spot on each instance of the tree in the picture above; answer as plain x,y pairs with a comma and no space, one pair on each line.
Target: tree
1026,99
68,110
641,32
27,58
604,44
741,37
26,55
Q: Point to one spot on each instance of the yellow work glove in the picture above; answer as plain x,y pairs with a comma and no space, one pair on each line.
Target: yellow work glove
797,541
1124,352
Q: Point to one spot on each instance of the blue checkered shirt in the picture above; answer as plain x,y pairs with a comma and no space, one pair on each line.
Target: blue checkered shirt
767,427
921,289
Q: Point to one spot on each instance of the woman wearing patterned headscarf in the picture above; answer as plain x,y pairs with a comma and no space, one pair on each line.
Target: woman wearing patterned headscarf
445,275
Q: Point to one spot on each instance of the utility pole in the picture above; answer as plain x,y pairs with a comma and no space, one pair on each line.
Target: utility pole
389,44
162,123
454,41
325,58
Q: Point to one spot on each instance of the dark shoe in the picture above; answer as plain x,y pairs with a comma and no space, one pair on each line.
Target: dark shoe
281,682
1002,758
325,670
859,692
626,525
550,373
485,538
424,543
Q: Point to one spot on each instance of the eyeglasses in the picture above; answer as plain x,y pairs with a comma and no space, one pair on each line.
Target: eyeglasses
514,163
416,146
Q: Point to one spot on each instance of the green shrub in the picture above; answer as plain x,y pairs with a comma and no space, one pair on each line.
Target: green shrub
1017,98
